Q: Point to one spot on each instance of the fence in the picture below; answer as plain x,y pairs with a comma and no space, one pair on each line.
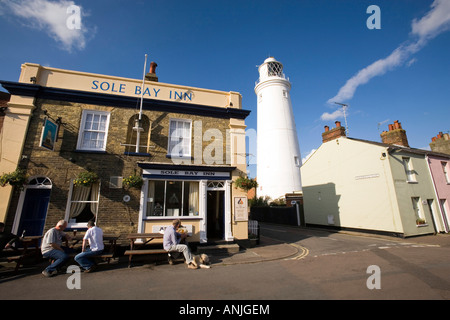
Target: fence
279,215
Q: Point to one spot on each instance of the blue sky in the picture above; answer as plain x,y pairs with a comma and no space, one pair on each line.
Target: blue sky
399,72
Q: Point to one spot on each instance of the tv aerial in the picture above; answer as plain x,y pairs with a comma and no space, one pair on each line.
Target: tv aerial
344,108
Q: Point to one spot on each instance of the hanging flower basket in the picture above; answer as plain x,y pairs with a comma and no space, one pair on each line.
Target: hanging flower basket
86,179
17,178
245,183
133,181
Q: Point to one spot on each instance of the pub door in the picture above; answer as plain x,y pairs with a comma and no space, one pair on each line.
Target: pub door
215,215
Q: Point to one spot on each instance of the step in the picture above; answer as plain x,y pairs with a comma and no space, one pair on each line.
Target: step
218,248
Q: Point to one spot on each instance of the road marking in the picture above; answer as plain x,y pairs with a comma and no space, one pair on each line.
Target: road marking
303,252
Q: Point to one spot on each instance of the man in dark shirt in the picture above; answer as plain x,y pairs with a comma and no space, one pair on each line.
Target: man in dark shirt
6,238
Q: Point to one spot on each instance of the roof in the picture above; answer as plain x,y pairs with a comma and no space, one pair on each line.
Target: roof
394,147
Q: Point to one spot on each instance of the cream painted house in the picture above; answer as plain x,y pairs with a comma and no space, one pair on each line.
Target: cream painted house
363,185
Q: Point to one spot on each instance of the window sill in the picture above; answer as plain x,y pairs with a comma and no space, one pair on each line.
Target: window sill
422,225
90,151
169,156
137,154
150,218
412,182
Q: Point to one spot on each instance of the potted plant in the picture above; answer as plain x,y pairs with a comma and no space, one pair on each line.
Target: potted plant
86,179
245,183
420,221
133,181
16,178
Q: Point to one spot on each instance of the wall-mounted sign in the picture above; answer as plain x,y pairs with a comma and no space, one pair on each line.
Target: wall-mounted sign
194,174
240,209
49,134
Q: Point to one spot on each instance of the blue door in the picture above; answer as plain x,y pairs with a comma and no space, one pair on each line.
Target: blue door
34,212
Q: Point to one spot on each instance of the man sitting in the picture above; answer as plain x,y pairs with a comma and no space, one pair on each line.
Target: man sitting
171,243
94,236
52,248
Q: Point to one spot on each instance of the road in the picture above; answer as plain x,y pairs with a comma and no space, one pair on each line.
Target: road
328,266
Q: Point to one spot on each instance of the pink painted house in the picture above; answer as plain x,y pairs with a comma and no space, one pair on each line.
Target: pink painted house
440,172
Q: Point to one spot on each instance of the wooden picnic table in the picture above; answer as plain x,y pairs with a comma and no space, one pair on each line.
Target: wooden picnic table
107,238
137,248
28,242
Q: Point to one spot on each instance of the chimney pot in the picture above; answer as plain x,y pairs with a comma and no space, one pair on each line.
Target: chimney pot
327,128
153,66
391,127
338,124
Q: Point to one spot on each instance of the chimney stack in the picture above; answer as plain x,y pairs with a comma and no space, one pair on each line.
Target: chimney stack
151,76
441,143
333,134
396,135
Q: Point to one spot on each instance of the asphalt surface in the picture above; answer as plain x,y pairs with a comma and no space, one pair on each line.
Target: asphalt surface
250,274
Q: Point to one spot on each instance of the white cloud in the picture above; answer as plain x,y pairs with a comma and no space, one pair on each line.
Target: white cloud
332,116
436,21
308,156
51,17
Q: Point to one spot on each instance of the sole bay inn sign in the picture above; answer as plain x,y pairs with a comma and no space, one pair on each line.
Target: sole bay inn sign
115,87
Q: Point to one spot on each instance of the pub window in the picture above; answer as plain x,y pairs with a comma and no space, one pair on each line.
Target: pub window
82,204
179,138
93,130
172,198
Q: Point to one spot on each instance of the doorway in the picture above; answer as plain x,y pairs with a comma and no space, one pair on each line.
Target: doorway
215,215
33,205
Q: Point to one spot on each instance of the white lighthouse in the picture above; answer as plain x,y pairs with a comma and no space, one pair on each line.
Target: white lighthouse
278,151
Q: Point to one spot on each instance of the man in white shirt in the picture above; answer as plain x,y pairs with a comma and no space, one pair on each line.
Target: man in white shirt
94,236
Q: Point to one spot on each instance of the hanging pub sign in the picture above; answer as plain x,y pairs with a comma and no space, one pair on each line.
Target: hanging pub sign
240,209
49,134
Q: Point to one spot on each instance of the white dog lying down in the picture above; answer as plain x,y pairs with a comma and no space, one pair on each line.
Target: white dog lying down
202,261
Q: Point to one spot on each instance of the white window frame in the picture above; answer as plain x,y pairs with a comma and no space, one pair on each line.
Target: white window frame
418,209
409,170
70,224
445,169
83,129
183,200
171,145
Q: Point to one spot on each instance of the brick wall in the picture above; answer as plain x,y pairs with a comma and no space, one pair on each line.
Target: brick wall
65,163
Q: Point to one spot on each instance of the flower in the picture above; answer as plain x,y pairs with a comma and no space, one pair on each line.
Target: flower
16,178
86,179
133,181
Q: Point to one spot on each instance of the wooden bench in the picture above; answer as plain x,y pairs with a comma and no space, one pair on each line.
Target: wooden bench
30,249
131,253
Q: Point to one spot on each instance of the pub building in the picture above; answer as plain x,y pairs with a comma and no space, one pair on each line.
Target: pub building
131,154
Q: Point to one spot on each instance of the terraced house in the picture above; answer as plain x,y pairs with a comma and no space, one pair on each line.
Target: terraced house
129,153
384,187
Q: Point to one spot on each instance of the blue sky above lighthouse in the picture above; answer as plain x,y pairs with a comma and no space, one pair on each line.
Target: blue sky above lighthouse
399,71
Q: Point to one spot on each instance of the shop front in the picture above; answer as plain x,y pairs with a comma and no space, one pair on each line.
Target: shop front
198,195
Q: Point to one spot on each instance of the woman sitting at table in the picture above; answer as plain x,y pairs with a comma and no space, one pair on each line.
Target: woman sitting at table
94,235
171,243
